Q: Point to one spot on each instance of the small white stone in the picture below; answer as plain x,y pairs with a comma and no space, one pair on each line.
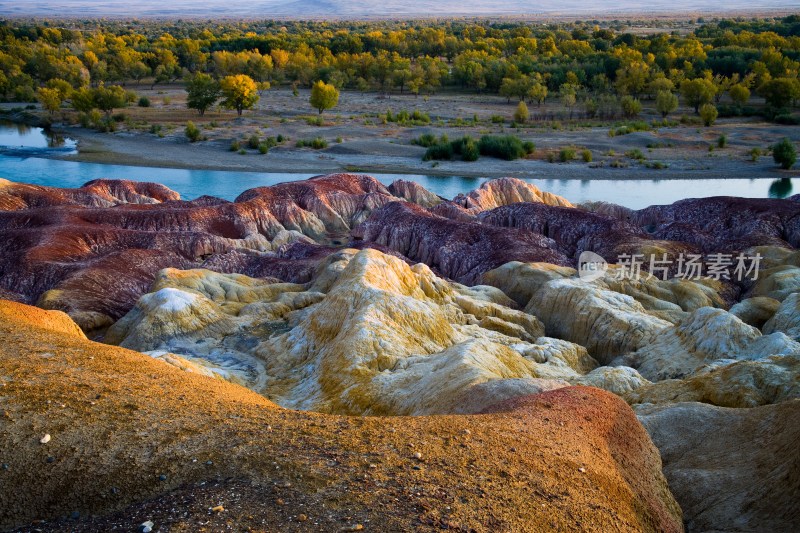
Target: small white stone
45,439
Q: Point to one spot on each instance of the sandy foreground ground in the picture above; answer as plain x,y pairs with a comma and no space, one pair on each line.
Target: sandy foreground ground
359,141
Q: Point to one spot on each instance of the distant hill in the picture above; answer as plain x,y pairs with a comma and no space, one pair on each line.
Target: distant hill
312,9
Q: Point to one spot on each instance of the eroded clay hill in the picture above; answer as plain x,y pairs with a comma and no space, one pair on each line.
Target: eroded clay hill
93,251
341,296
125,428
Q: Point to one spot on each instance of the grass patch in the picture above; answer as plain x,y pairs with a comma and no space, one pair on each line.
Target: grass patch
317,143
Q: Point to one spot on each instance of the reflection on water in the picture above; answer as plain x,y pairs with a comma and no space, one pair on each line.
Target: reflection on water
56,140
27,140
780,188
22,129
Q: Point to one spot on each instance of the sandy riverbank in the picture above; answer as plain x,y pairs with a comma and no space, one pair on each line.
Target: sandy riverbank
359,140
381,156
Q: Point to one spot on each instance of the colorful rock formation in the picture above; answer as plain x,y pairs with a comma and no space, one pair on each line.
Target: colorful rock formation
343,296
126,428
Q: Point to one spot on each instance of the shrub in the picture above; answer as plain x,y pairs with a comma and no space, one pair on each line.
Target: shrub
505,147
144,101
498,119
722,141
754,154
521,115
439,151
784,153
317,143
786,119
551,157
708,113
586,154
470,151
96,118
659,144
235,146
192,132
242,151
635,154
630,127
566,154
425,140
269,142
280,138
416,118
263,148
529,147
631,107
466,147
253,142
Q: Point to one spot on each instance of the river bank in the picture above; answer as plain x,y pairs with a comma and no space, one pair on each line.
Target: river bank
384,156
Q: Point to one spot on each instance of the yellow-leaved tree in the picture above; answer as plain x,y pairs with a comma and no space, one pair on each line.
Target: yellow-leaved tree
240,92
324,96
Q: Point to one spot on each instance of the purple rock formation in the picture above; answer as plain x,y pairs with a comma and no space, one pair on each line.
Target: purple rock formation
101,245
462,251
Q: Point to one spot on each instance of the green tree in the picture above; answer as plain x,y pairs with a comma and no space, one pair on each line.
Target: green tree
240,92
697,92
323,96
708,112
62,86
203,92
632,79
780,92
784,153
537,93
83,100
659,84
521,115
631,107
666,103
740,94
50,99
568,97
107,99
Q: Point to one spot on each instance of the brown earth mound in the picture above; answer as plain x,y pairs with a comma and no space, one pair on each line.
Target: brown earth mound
125,428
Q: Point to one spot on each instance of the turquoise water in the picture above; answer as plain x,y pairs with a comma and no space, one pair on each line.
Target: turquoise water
19,147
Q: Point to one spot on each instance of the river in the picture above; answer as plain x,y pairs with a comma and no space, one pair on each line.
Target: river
22,148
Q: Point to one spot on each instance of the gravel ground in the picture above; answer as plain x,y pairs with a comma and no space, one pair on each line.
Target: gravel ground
367,145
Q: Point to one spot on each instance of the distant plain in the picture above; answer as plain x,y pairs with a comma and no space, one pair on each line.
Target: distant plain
366,9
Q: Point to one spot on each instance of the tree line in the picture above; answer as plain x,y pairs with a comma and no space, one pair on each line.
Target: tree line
587,64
